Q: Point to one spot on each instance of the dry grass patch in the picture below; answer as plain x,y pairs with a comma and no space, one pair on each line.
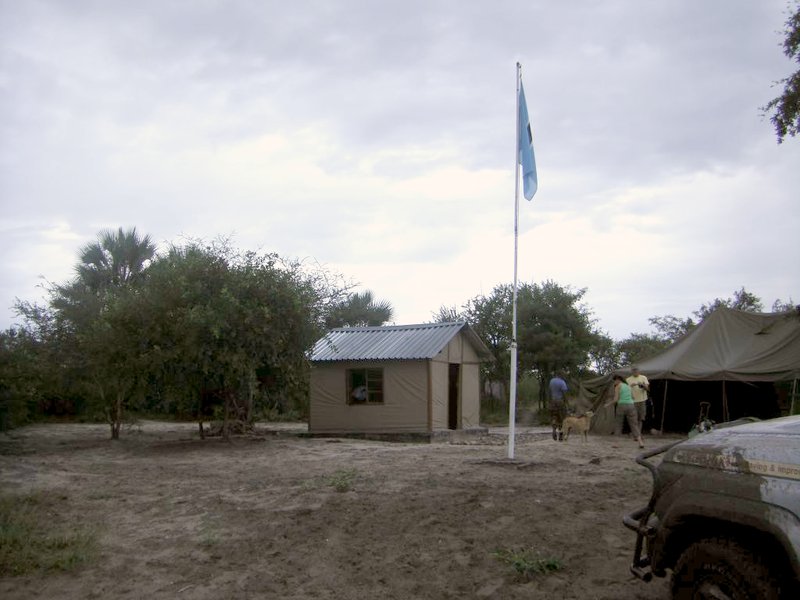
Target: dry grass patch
33,538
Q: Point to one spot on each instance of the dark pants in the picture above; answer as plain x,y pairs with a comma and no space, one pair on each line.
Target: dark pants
558,410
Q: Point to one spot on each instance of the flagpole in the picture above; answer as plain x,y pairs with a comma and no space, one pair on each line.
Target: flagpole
512,386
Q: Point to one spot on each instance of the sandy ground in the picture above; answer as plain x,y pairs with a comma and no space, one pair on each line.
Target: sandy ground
260,517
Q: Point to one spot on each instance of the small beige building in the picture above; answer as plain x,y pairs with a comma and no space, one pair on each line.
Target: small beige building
398,379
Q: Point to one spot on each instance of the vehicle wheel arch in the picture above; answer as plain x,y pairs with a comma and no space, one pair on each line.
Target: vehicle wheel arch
692,530
722,567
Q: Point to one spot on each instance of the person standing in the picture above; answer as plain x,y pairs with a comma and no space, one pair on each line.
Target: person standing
558,404
625,409
640,387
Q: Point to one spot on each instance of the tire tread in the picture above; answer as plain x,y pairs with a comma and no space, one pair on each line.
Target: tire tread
725,559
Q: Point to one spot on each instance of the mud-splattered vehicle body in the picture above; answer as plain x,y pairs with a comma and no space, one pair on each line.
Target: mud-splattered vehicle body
724,515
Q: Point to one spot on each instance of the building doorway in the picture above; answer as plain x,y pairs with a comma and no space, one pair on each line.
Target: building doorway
453,395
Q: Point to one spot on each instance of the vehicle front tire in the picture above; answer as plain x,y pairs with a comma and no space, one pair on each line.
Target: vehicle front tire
720,568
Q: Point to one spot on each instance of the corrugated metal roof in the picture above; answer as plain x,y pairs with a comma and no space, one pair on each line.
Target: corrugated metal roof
397,342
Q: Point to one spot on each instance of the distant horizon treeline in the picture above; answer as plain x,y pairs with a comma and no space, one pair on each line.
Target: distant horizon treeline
208,332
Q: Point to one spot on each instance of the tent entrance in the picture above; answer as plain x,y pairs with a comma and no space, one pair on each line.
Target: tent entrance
452,395
678,403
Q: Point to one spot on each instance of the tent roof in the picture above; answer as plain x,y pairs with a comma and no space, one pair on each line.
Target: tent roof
398,342
733,345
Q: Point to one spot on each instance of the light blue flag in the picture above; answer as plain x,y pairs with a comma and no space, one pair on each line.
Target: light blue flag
530,181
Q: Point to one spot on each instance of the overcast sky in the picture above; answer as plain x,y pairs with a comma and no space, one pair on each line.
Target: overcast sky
378,139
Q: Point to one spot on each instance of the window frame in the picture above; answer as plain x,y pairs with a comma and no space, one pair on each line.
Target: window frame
372,379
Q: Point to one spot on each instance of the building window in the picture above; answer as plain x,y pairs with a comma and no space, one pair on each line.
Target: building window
365,386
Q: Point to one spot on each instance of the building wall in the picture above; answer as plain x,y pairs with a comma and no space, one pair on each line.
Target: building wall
461,352
470,395
407,387
405,406
439,394
458,351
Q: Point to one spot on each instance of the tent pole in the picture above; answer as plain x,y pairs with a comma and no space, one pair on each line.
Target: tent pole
725,416
664,405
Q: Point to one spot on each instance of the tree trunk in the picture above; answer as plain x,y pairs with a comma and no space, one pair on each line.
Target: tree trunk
543,391
248,416
200,416
116,417
113,413
225,420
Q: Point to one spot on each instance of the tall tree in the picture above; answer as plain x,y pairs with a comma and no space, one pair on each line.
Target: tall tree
204,320
217,320
330,288
490,317
604,355
359,309
91,322
556,331
785,306
741,300
448,314
786,107
670,328
21,377
638,346
115,258
114,346
50,356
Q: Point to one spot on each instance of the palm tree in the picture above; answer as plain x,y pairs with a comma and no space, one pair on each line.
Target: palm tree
116,258
360,310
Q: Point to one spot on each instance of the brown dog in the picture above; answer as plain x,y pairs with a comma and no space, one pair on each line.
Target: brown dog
579,424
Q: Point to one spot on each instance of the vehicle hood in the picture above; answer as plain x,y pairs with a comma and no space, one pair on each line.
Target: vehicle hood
770,448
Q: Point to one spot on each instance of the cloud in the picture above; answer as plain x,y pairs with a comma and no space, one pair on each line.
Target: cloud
378,138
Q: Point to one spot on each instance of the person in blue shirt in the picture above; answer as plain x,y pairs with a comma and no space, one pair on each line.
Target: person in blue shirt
558,404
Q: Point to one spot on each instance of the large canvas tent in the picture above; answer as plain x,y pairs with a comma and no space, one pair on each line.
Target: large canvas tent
730,360
397,379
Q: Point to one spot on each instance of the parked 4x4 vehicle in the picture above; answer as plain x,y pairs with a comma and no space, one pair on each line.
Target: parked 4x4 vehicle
724,515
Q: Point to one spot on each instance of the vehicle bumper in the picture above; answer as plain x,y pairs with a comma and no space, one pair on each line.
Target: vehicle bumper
644,523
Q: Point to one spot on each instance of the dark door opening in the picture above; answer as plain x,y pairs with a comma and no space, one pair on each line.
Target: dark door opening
452,396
